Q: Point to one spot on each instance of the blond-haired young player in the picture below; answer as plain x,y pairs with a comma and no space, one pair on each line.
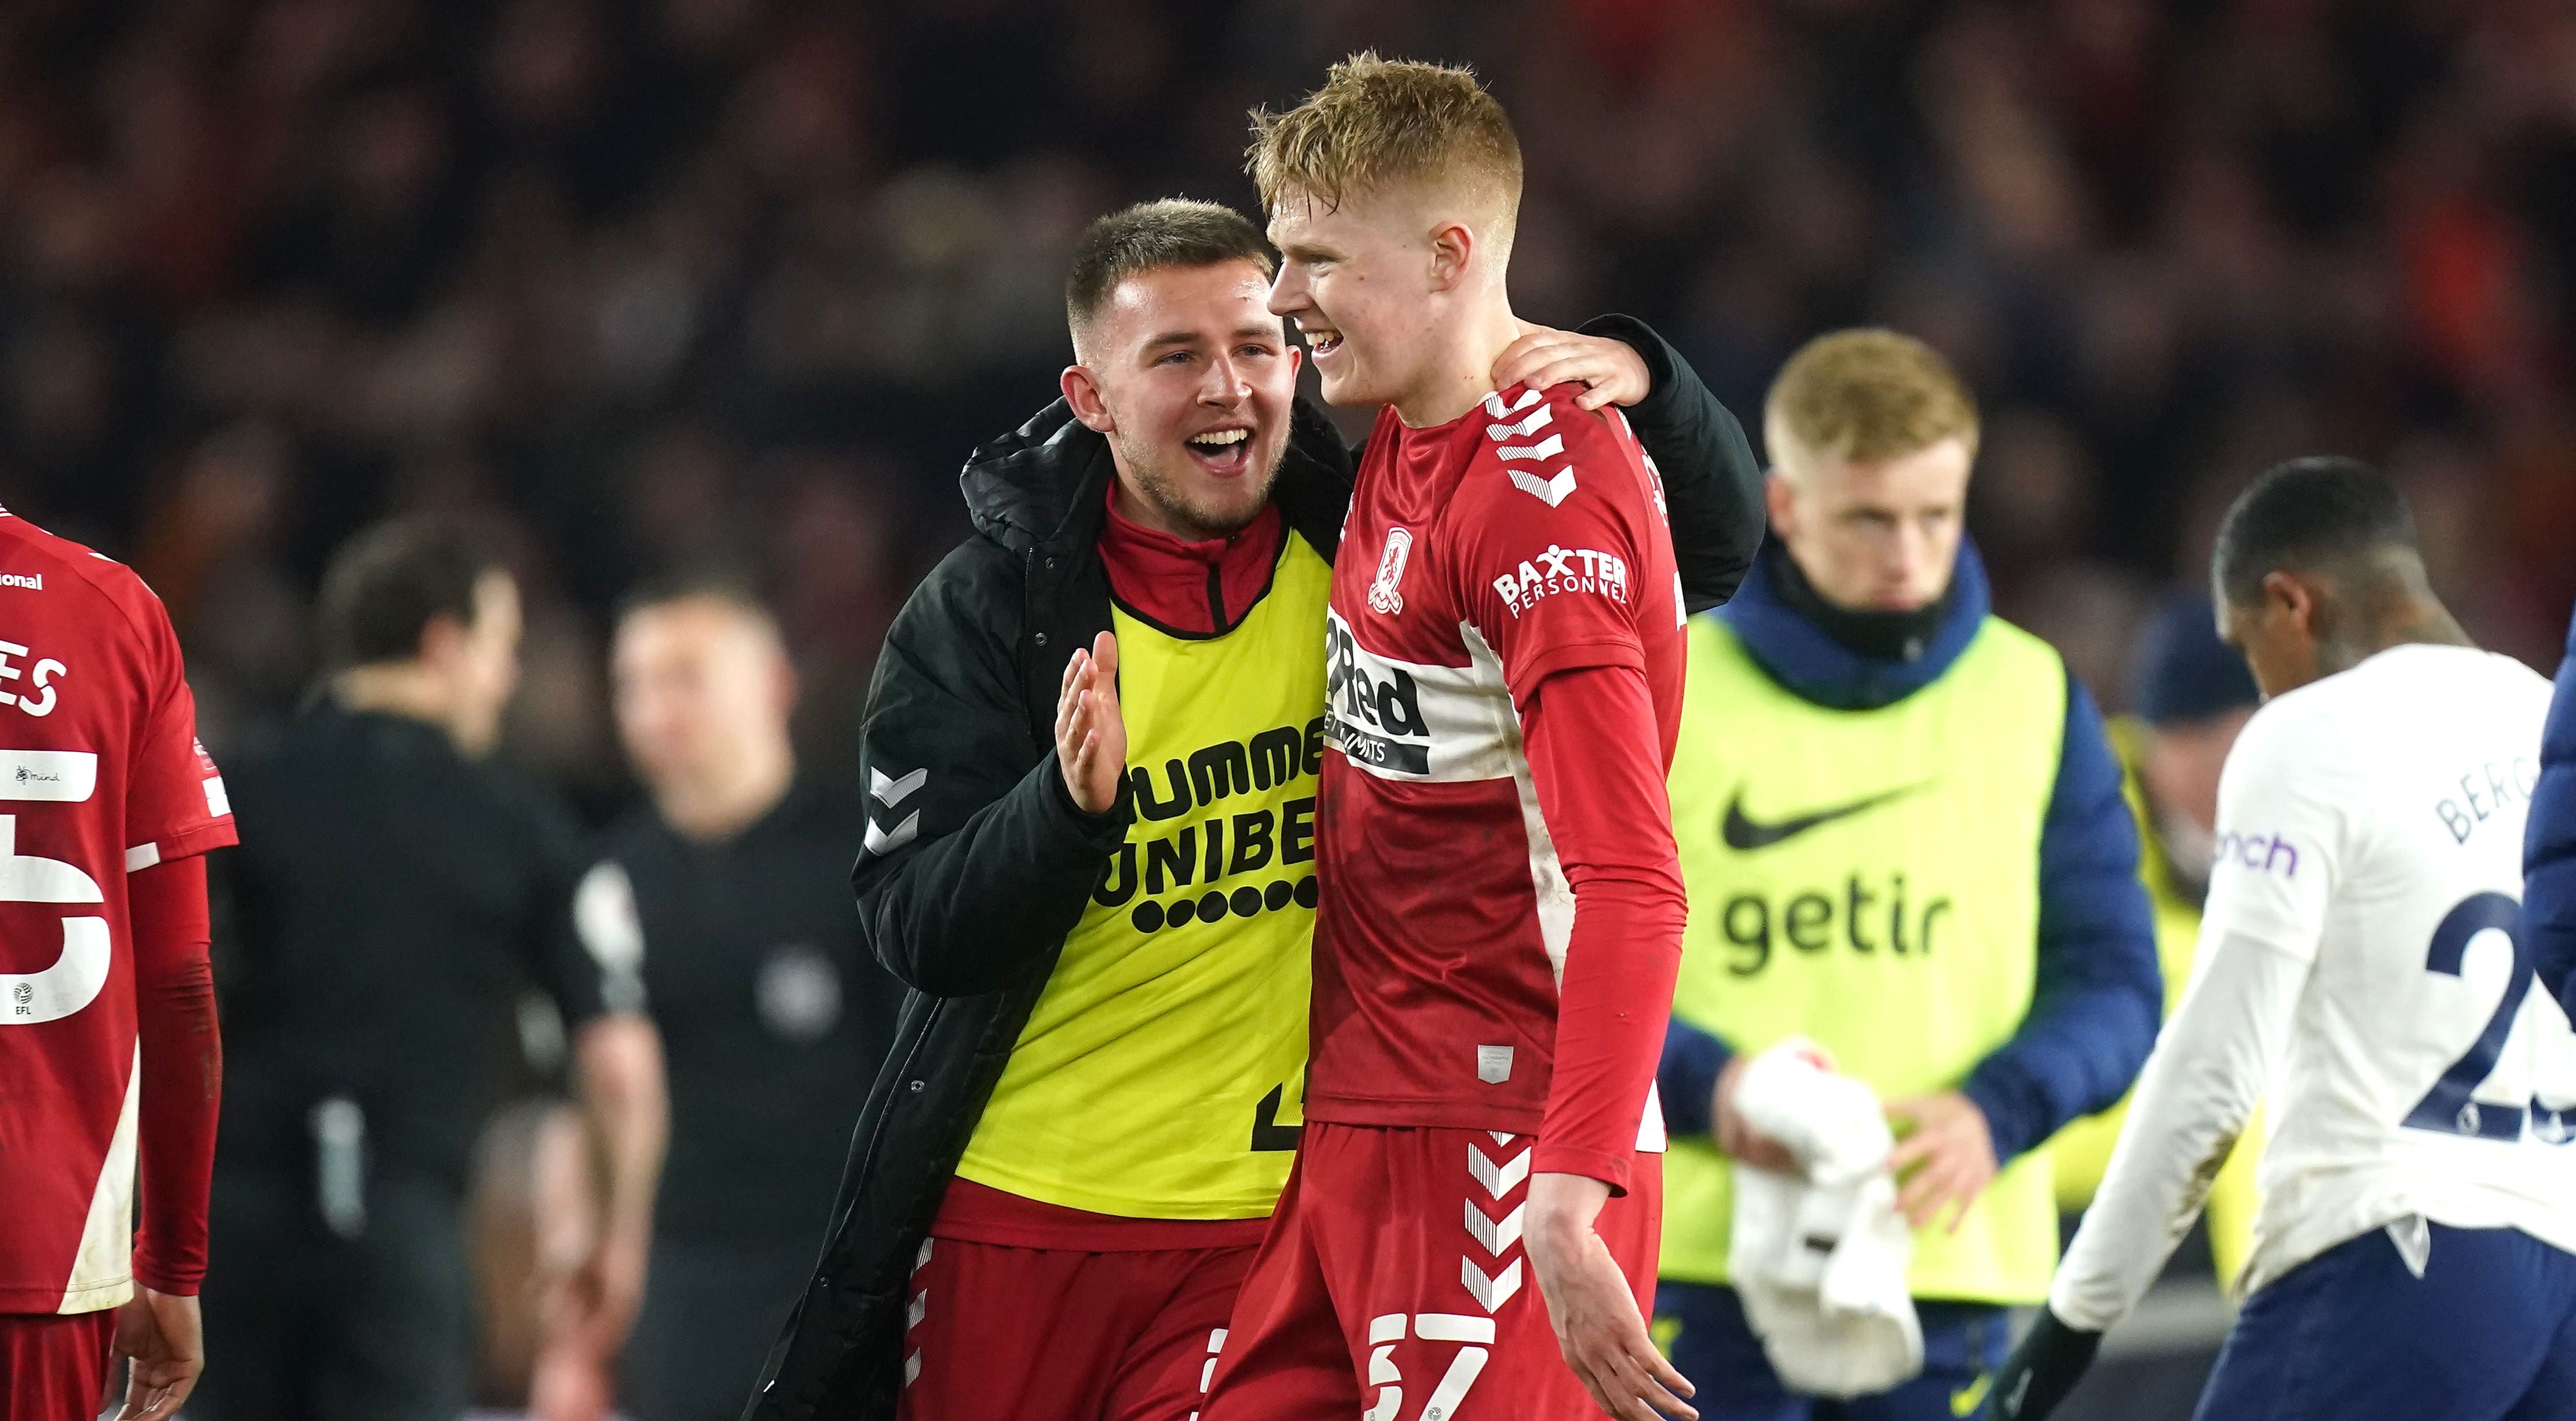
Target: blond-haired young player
1903,835
1501,910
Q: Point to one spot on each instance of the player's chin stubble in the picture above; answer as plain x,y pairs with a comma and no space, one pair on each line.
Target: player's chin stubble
1197,519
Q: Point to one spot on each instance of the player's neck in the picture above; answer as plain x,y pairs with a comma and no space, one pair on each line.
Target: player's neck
2411,621
728,797
401,688
1461,370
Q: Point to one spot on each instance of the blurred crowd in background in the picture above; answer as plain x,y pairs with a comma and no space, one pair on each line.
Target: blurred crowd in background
747,278
655,281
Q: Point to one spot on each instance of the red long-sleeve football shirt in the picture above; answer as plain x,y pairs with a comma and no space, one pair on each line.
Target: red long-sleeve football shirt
101,780
1501,905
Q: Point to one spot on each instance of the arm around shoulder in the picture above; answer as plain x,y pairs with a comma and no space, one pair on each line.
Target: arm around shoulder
1712,482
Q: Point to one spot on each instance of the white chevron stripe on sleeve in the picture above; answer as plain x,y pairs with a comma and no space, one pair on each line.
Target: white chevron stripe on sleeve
891,791
1537,421
1494,403
1547,448
1550,491
882,842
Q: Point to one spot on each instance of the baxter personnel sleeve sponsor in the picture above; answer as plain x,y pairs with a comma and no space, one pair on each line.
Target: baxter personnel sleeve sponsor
1551,534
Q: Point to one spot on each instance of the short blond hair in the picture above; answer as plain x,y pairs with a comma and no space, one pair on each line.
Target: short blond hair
1378,123
1866,396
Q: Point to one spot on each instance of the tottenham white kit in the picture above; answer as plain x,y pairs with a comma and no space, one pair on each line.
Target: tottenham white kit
2361,971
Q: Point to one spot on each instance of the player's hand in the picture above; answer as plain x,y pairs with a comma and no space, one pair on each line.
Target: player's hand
1090,734
570,1383
1741,1142
2042,1370
602,1297
1589,1302
166,1337
1946,1158
1611,370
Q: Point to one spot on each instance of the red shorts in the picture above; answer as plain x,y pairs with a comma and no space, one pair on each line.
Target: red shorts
53,1366
998,1333
1393,1280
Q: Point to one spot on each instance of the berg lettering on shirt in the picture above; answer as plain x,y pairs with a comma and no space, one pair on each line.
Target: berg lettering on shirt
100,775
2373,823
1481,556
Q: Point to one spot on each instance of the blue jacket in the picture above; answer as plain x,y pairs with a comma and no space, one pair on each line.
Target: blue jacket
2549,845
2100,994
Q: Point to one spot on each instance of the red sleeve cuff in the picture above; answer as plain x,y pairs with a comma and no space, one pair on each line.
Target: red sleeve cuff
1591,1164
178,1283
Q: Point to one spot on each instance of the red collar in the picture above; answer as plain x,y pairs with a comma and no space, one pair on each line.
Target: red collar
1193,588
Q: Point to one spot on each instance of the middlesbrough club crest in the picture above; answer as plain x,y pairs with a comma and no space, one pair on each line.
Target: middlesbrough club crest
1383,596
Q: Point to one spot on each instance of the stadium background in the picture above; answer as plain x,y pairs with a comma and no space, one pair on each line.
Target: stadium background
667,278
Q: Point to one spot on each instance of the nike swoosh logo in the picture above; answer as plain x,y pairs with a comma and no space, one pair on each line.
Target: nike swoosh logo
1744,834
1964,1402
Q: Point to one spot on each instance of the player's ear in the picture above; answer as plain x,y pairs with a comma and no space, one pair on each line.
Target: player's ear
2290,599
1082,392
1453,246
442,641
1780,500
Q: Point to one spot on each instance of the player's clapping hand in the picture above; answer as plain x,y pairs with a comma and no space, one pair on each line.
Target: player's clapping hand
1090,734
1945,1158
166,1339
1589,1302
1611,371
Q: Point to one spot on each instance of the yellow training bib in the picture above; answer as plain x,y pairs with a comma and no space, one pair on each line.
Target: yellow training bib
1161,1074
1869,879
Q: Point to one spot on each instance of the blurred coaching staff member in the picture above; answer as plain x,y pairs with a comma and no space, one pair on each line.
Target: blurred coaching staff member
107,1014
1903,834
395,895
728,890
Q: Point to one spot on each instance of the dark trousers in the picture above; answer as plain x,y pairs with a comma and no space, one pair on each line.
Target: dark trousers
2487,1334
712,1307
1710,1342
305,1325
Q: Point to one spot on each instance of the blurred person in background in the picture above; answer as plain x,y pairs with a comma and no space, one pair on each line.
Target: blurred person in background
399,892
1091,757
108,1041
2193,694
1902,827
727,893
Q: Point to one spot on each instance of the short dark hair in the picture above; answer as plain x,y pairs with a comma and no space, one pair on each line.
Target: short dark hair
2311,514
1174,231
386,584
719,582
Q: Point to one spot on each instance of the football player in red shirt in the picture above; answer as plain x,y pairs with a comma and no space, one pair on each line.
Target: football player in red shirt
108,1046
1501,906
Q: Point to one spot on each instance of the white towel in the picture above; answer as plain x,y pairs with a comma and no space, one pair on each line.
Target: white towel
1820,1258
